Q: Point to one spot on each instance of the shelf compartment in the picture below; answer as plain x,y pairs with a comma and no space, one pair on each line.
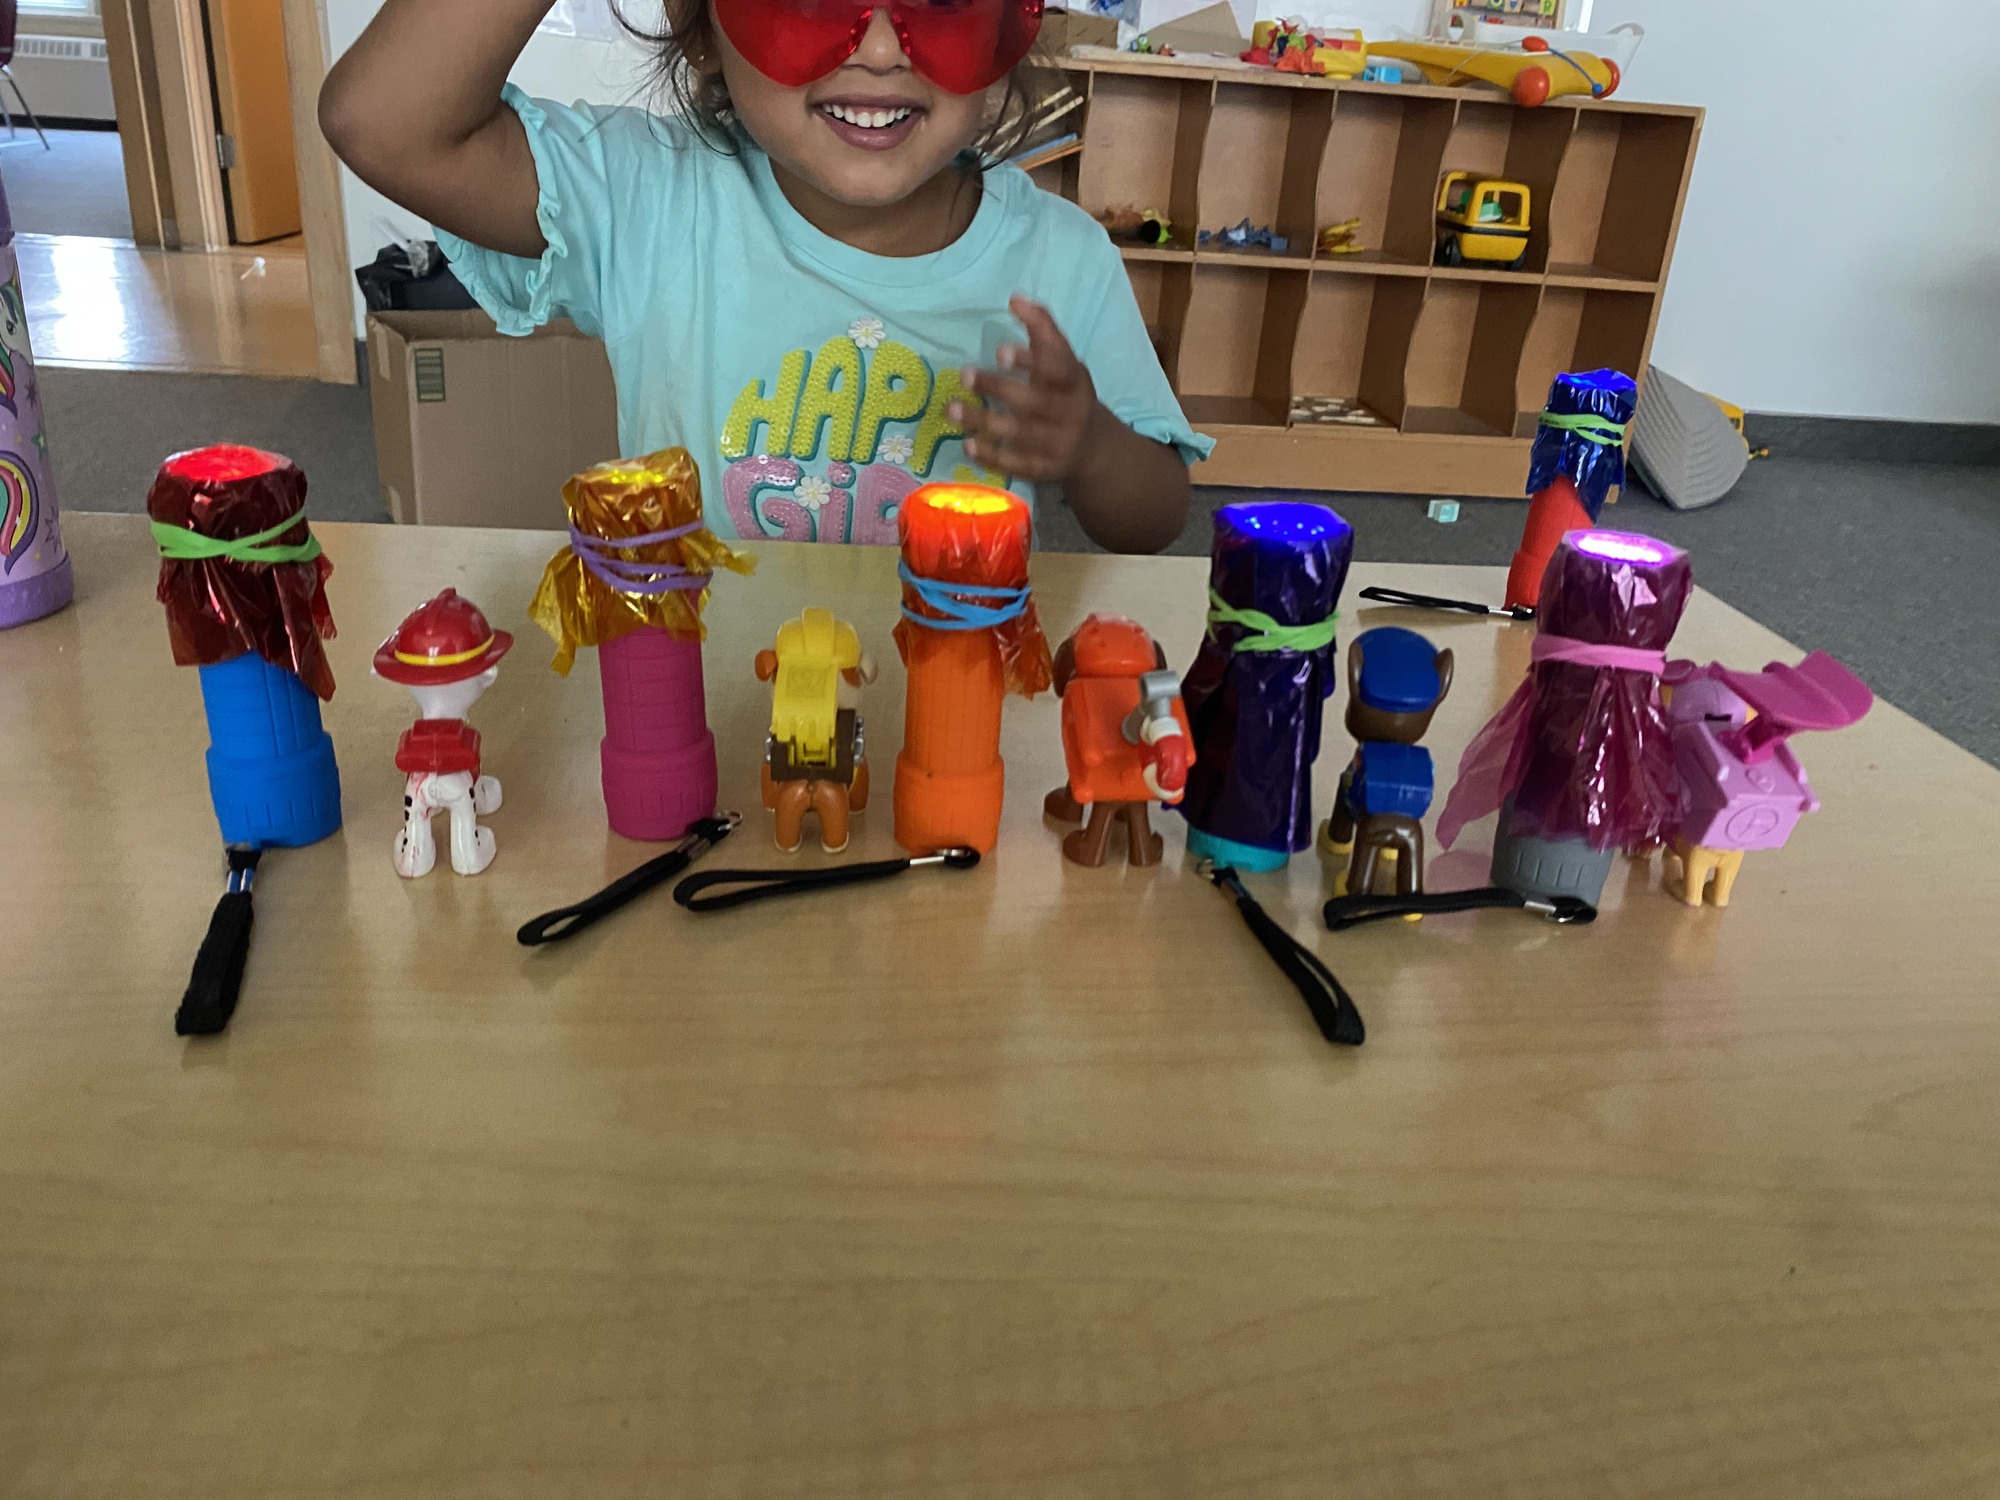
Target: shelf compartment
1380,165
1465,358
1576,331
1161,288
1260,162
1354,343
1238,332
1618,197
1142,148
1491,139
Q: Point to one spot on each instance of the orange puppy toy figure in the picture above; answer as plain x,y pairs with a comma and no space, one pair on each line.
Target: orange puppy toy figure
813,759
1125,739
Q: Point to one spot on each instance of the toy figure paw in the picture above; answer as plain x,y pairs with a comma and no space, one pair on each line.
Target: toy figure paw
486,795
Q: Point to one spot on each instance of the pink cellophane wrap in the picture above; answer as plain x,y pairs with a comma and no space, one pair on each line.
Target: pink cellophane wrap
1583,745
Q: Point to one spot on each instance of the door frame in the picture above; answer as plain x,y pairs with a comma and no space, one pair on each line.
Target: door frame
160,79
322,213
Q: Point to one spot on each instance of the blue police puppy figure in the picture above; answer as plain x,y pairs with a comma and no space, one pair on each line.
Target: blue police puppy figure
1395,681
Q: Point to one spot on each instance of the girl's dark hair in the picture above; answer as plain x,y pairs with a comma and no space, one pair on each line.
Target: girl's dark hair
684,71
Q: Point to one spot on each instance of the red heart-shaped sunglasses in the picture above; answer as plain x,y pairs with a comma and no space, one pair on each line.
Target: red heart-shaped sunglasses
962,46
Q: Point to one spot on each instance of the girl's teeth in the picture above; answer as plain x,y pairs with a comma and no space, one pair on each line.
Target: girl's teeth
868,119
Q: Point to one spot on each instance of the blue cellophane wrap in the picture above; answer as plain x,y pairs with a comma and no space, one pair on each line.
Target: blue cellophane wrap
1256,715
1593,467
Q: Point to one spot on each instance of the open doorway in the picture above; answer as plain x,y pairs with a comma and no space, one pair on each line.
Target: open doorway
251,95
183,218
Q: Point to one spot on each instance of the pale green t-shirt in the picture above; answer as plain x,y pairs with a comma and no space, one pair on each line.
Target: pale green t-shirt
808,378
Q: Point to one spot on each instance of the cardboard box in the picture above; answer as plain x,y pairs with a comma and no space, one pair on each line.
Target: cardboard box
473,428
1064,29
1213,28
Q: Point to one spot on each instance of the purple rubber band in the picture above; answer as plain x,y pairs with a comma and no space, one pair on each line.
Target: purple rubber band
637,577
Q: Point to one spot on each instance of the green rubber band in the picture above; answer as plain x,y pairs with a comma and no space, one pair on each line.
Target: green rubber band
1599,430
178,544
1267,634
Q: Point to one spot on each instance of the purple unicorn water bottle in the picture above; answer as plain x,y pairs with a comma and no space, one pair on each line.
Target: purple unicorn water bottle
34,569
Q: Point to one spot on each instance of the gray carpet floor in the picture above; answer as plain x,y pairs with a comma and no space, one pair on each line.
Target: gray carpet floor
76,188
1891,567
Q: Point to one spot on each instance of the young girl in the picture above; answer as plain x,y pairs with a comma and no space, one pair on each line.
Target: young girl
804,277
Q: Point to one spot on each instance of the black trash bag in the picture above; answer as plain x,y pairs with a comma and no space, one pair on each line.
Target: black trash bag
391,283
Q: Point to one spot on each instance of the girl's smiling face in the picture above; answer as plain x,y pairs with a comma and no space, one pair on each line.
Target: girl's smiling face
871,134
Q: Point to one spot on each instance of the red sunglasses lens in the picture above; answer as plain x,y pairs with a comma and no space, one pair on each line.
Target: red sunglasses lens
793,42
960,45
966,45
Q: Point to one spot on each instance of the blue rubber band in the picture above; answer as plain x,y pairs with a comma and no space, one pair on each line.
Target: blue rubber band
959,612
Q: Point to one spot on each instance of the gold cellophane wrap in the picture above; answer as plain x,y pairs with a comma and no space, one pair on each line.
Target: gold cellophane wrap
630,497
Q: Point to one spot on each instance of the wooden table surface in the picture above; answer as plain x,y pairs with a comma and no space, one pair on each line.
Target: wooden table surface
1030,1182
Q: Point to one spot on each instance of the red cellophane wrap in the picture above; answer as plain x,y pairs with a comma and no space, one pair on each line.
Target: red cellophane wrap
1597,762
976,536
217,608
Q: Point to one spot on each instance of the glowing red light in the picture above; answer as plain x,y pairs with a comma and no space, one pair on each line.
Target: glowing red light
225,463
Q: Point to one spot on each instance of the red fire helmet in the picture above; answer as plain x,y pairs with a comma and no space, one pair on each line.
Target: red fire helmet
444,641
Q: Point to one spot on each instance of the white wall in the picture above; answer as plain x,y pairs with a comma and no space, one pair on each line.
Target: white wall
553,67
1841,250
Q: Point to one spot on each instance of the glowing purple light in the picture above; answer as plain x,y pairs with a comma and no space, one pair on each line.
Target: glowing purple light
1623,546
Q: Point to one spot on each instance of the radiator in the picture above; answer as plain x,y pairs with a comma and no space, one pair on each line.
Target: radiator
64,77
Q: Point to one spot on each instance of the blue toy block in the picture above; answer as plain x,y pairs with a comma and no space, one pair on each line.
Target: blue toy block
271,771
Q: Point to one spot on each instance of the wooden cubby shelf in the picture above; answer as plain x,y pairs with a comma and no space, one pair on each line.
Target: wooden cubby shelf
1441,372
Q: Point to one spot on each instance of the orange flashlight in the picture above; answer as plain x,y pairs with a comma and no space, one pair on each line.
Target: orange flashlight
968,637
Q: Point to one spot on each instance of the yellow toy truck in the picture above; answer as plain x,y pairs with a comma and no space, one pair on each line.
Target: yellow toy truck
1483,221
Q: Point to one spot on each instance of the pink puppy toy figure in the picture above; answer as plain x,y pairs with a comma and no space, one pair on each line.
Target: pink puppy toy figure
1741,788
447,656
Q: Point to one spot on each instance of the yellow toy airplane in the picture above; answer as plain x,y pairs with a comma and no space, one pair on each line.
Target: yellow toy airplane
1533,73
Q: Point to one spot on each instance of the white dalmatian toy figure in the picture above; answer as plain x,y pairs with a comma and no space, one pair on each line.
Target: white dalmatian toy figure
446,655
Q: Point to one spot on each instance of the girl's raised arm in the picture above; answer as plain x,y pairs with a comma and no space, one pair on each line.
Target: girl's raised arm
414,108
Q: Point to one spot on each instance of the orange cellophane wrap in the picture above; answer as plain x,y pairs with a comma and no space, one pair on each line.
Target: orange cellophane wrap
630,497
986,546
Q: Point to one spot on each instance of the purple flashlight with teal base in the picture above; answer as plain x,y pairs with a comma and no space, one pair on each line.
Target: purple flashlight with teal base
1257,691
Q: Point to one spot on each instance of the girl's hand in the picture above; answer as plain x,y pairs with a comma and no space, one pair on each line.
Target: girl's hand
1039,405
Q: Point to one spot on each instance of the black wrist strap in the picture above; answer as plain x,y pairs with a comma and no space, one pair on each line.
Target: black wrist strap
761,885
1333,1009
1343,912
217,980
1380,595
568,921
